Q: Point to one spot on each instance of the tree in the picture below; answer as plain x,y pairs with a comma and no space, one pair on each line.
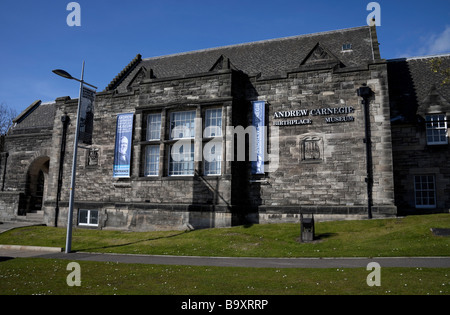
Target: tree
437,67
7,115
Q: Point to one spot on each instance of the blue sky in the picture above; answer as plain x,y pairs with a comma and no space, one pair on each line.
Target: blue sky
35,38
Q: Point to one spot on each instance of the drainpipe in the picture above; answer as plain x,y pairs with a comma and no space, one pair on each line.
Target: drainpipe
366,93
5,157
62,152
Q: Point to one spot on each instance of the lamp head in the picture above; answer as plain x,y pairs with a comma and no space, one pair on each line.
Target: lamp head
62,73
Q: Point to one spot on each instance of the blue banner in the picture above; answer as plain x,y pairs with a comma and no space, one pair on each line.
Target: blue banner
259,110
122,151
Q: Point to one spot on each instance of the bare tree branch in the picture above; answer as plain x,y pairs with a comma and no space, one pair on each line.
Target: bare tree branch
7,115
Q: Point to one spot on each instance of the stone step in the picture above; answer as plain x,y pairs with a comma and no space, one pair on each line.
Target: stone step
37,216
34,217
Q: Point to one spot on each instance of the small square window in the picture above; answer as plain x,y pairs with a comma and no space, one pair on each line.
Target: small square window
436,126
347,46
87,217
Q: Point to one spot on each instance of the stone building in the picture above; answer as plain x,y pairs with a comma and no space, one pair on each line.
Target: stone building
420,103
251,133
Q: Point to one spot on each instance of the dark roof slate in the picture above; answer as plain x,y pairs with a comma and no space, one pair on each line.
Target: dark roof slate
37,116
268,57
413,84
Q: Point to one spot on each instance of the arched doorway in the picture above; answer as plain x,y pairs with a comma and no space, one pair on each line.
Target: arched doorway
36,184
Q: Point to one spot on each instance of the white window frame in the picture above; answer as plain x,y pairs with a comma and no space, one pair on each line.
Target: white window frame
436,128
152,166
183,123
153,127
88,223
212,151
182,163
213,123
425,190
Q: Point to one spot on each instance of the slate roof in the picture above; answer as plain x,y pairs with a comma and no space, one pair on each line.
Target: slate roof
268,57
412,82
35,117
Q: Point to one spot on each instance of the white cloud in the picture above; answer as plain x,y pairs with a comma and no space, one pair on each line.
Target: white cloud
431,44
440,43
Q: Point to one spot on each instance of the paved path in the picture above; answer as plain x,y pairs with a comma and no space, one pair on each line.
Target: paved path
9,252
6,226
424,262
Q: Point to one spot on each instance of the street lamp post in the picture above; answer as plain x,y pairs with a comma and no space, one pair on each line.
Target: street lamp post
66,75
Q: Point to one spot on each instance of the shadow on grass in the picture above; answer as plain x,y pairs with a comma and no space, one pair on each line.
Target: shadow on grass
4,258
130,243
324,236
318,238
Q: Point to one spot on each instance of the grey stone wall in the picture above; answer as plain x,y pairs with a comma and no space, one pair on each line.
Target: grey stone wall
140,203
334,182
328,181
412,156
28,152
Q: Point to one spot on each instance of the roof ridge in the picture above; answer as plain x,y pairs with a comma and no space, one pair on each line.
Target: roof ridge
255,43
124,73
419,57
27,111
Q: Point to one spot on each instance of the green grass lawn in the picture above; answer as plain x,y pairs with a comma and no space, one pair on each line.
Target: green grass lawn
408,236
48,277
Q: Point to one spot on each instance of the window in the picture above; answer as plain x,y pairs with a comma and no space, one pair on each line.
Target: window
213,123
347,46
182,125
170,139
153,127
311,150
424,186
212,155
151,166
88,217
212,150
152,160
181,158
436,129
181,153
